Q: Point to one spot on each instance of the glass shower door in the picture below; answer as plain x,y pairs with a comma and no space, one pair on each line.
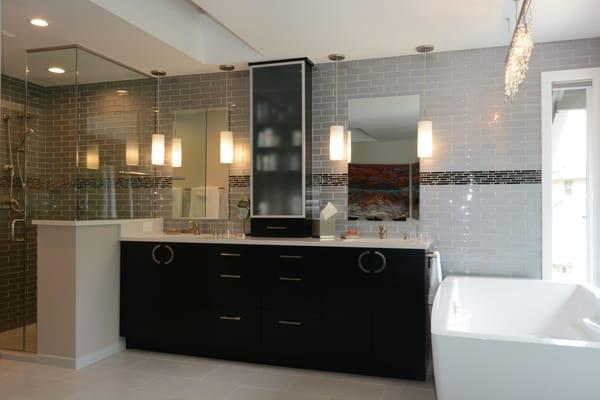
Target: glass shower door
17,310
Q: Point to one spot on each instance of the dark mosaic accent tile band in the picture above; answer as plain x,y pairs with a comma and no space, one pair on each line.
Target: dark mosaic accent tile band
509,177
239,181
330,179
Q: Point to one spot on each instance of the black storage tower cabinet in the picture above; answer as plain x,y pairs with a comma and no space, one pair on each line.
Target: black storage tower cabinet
281,126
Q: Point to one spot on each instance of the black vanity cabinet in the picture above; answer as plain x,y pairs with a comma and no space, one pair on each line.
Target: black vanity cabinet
335,308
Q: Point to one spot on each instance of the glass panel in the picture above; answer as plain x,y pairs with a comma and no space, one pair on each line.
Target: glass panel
116,119
569,185
277,141
52,155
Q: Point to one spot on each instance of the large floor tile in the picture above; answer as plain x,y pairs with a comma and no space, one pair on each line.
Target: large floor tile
250,393
107,378
123,359
185,388
408,393
102,394
194,370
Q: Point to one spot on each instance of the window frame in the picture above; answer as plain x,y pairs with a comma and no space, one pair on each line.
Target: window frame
593,167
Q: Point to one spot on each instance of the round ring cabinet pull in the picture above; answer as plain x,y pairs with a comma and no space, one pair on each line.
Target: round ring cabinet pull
383,262
154,254
360,263
156,260
170,260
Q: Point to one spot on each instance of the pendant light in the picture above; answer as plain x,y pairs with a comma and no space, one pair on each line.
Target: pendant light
519,52
424,126
158,139
226,137
132,151
336,132
176,152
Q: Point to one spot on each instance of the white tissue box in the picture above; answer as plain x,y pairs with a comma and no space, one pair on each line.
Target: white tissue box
323,229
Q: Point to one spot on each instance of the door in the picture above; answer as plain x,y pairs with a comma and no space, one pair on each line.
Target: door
163,296
278,129
346,293
398,325
18,286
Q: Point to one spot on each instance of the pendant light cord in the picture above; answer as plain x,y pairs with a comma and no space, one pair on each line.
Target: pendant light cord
157,119
226,100
425,84
336,93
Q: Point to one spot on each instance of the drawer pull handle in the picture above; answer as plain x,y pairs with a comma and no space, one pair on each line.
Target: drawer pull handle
228,276
280,228
231,255
291,257
228,318
289,279
293,323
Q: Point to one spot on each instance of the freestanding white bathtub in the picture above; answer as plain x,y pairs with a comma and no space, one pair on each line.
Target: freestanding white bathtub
516,339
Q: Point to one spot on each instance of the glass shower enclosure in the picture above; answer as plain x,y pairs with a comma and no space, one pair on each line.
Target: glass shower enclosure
75,144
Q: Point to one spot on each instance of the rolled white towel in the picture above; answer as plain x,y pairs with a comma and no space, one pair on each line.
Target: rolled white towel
435,274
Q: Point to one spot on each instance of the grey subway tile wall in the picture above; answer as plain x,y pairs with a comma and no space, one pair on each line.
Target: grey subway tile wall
481,194
491,226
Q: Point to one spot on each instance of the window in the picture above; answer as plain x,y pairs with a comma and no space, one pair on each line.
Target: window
570,175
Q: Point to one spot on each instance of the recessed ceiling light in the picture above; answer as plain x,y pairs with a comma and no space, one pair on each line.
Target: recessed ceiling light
42,23
56,70
121,92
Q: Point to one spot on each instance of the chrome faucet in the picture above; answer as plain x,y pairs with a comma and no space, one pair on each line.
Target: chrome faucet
194,228
383,231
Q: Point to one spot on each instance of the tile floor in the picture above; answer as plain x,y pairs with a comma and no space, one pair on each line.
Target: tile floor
136,375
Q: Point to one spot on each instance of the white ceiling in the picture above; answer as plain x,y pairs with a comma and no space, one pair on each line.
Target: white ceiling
173,35
380,28
195,36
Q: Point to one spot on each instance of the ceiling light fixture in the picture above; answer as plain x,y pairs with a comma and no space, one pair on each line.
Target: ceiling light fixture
424,126
519,52
226,137
39,22
121,92
336,131
56,70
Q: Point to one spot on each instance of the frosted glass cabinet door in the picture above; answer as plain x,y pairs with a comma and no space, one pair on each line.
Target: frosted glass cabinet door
277,141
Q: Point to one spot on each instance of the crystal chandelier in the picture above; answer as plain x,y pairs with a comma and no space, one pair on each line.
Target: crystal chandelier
521,46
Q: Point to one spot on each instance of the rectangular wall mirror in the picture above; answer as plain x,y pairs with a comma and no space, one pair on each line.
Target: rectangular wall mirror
383,170
200,184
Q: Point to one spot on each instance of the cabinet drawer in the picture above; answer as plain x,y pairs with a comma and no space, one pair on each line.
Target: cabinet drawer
234,329
290,280
280,227
234,279
290,336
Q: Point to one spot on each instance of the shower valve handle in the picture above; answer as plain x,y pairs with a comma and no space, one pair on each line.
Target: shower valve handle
12,230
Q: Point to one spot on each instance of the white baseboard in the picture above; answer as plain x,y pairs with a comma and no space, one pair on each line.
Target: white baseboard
67,362
96,356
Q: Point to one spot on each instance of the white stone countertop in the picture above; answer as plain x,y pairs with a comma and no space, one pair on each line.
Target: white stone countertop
391,243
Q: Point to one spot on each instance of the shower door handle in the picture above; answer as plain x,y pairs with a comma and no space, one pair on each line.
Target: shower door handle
12,230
